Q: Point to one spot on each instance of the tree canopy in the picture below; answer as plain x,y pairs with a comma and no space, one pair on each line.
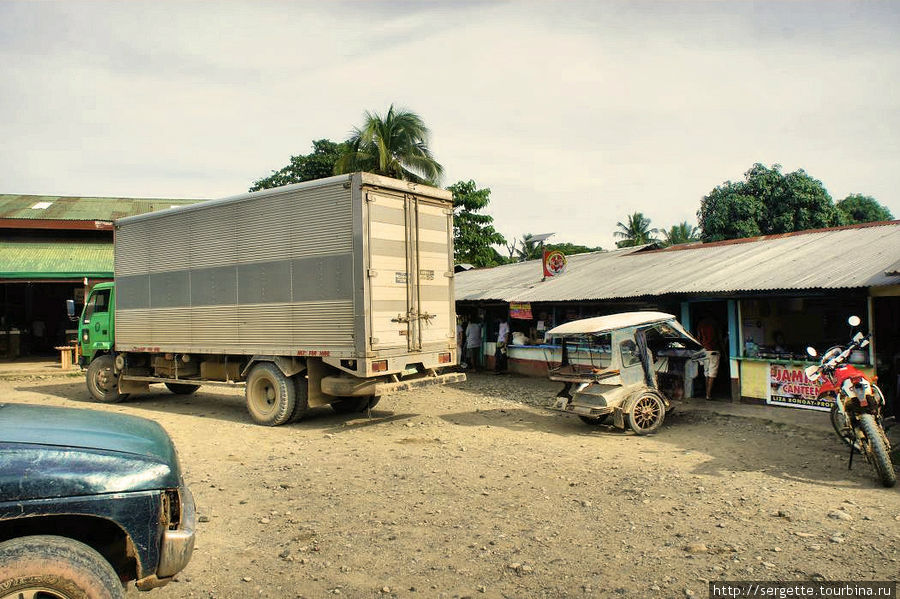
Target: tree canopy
394,145
635,231
474,233
764,203
316,165
858,208
570,249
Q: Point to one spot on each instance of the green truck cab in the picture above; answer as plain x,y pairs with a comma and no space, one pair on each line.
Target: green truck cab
97,325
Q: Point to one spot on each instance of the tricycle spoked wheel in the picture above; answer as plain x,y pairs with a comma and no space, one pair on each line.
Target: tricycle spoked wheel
102,380
182,388
646,414
271,396
877,450
353,405
594,420
842,428
51,567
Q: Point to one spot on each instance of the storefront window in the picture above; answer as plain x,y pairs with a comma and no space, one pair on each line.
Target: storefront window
782,328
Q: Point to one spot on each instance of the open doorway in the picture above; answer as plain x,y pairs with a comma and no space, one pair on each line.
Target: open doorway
709,323
886,321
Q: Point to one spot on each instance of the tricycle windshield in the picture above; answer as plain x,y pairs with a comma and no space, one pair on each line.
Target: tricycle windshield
587,353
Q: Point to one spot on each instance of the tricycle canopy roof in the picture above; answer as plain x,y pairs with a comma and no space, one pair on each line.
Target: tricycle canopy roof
604,324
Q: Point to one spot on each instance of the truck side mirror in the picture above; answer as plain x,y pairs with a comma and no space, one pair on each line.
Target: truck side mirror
70,309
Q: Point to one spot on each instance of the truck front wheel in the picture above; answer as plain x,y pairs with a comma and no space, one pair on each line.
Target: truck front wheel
271,396
56,568
102,380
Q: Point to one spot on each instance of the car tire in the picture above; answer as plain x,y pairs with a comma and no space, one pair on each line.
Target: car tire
102,380
57,568
182,388
271,396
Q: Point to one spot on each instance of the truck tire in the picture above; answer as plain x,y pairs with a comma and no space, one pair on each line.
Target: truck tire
877,450
55,568
301,404
271,396
102,380
352,405
182,388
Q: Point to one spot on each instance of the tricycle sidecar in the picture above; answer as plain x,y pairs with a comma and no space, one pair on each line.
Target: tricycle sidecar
626,368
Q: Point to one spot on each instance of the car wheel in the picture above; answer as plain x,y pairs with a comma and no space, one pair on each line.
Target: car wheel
102,380
271,396
50,567
182,388
646,414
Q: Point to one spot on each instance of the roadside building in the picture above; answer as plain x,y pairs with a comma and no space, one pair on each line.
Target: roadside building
767,298
54,248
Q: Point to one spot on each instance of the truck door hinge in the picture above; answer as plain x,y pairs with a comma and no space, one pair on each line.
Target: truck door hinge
373,340
371,273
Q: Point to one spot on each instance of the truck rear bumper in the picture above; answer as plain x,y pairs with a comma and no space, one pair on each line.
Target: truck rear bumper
344,386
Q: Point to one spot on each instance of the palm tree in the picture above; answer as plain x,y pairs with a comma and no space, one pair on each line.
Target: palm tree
683,232
637,231
528,250
395,145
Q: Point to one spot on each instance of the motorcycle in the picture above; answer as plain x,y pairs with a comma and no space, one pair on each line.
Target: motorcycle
856,412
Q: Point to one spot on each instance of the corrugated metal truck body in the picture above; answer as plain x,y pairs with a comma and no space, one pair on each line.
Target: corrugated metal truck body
352,270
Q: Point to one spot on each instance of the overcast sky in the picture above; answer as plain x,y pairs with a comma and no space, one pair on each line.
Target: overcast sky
575,114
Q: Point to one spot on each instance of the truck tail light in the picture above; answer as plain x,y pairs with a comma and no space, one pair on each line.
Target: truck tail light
444,358
379,366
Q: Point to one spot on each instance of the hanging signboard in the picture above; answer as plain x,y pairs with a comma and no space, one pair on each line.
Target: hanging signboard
554,263
789,386
520,311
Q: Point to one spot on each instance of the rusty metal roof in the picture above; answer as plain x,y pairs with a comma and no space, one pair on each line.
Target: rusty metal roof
72,208
56,259
847,257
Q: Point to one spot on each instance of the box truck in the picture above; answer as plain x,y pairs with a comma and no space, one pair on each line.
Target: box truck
335,291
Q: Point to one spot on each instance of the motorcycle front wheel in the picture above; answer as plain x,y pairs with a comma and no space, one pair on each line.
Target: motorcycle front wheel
842,428
877,450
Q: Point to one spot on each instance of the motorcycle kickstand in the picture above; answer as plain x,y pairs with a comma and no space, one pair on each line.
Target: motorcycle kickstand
852,449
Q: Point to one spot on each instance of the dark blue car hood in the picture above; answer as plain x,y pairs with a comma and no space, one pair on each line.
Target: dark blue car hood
57,452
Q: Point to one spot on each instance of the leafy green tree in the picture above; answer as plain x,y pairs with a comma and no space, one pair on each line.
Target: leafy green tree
858,208
766,202
683,232
316,165
570,249
474,233
395,145
635,231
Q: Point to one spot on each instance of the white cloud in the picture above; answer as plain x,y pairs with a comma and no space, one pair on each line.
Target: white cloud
574,113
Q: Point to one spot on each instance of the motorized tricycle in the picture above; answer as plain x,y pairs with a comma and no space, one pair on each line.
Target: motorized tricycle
857,404
625,367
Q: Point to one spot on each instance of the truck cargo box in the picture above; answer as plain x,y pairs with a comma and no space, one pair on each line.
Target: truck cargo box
349,267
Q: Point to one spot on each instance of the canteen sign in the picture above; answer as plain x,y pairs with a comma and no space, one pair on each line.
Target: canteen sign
789,386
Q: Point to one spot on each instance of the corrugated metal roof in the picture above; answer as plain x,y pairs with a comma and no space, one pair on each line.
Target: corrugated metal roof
849,257
58,259
80,208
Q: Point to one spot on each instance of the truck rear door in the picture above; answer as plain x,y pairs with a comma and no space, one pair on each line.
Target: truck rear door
410,266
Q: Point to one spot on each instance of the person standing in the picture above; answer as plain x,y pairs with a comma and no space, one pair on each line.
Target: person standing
709,338
461,342
473,343
501,355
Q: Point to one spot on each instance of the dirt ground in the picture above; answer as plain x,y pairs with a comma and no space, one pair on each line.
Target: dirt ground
475,491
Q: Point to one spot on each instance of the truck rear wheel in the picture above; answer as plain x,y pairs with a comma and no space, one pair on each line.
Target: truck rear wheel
271,396
301,386
182,388
355,404
56,568
102,380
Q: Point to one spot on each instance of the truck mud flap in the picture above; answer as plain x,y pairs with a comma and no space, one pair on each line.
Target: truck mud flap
346,386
